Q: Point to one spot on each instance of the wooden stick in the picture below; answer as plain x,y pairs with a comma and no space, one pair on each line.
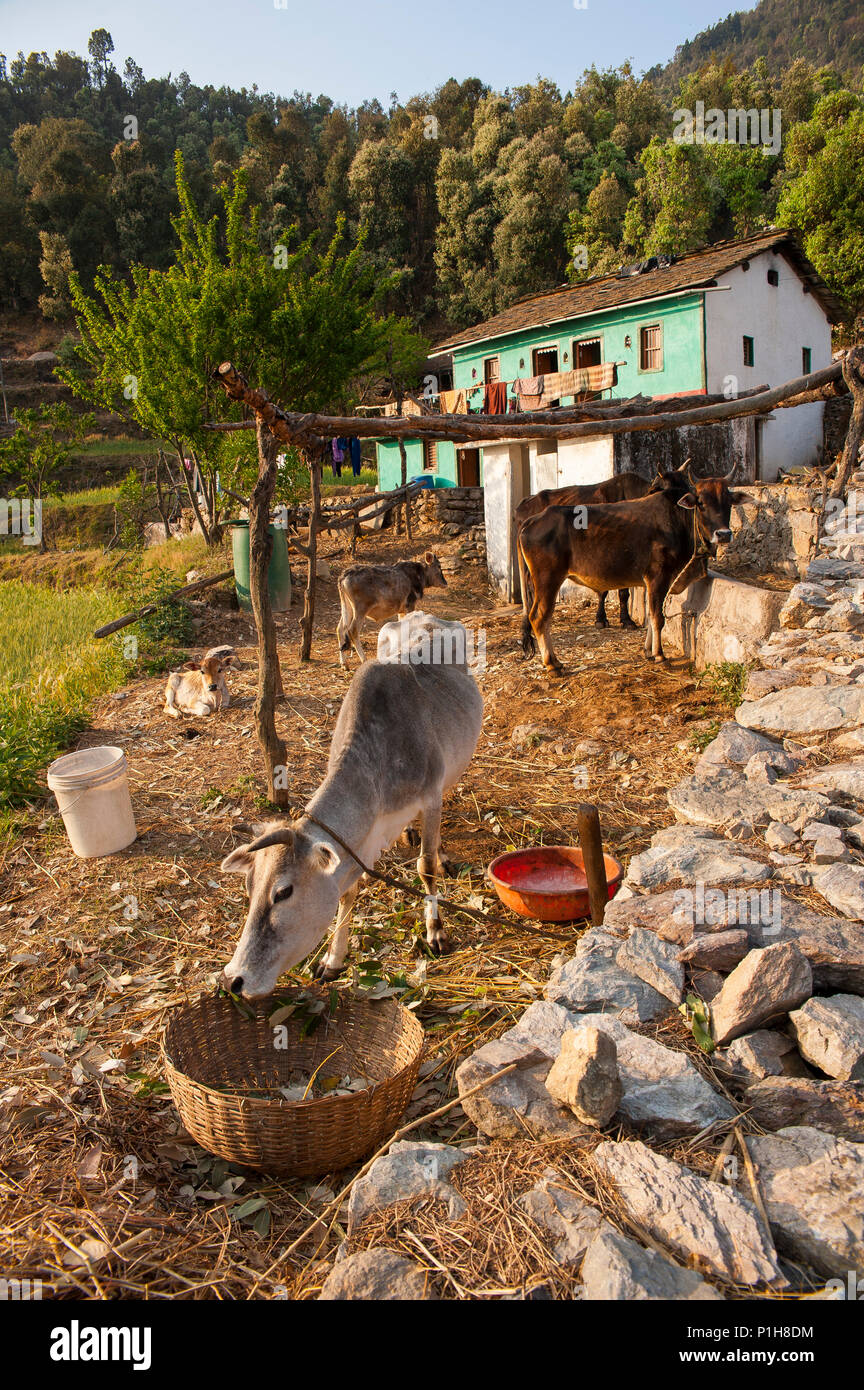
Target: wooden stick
169,598
591,842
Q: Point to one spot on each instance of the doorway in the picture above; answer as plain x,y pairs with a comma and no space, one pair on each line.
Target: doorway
468,467
588,352
545,362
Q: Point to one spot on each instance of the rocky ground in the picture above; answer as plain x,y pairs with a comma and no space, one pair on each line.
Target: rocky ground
745,916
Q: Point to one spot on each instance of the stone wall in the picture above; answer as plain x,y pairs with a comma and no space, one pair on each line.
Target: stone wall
775,533
718,619
452,510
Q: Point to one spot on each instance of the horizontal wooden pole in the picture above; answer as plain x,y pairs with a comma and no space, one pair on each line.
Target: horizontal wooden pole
297,428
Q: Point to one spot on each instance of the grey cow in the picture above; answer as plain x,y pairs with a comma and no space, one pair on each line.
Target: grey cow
381,592
405,734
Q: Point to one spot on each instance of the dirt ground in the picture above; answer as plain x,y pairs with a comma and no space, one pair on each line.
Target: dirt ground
103,1192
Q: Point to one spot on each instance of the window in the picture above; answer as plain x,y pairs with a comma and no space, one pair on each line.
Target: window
773,278
806,361
651,348
749,357
588,352
492,369
430,455
545,363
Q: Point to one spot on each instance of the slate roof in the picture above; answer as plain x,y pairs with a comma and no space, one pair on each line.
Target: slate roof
695,270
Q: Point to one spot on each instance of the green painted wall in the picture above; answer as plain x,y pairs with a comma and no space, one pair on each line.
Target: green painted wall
682,349
390,463
683,366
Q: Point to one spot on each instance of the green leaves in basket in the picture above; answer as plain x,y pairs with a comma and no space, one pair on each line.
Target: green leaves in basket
279,1015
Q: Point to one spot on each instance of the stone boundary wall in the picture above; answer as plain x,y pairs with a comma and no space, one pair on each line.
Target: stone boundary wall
452,510
778,532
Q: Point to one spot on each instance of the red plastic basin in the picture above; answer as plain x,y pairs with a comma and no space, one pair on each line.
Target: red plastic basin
548,883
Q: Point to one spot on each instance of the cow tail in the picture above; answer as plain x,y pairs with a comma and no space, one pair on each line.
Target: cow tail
529,645
346,617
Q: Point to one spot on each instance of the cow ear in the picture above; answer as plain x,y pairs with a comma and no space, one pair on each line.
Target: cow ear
239,861
325,857
227,660
191,666
688,502
429,556
741,498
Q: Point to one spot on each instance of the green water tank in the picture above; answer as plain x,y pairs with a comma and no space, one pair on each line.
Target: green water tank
278,575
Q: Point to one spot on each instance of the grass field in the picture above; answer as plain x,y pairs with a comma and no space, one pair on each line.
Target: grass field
50,671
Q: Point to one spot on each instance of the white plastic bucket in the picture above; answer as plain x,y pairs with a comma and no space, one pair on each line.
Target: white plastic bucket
92,792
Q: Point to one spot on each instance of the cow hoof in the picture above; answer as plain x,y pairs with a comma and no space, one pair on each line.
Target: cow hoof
450,868
410,838
601,622
629,624
440,944
326,973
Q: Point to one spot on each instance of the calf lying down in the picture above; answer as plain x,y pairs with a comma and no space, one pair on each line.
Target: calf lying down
406,732
200,688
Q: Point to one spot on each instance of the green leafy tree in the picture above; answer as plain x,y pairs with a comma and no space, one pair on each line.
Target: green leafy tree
825,198
301,323
674,203
41,447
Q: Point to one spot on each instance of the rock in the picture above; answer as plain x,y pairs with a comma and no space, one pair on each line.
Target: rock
655,961
408,1170
833,946
839,779
826,567
836,1106
843,616
571,1220
592,981
618,1269
779,836
722,796
767,984
852,742
584,1076
707,984
761,765
761,683
375,1275
829,850
819,830
830,1035
704,1223
842,885
737,745
666,914
804,710
531,735
812,1185
803,601
589,748
662,1091
766,1052
693,855
518,1105
716,950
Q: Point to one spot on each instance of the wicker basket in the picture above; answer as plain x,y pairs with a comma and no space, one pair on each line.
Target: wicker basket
210,1043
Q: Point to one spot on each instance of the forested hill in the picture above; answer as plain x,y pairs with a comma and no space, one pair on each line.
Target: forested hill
820,31
467,197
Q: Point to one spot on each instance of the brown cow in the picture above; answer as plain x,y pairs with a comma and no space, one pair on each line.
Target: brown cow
648,541
622,488
382,592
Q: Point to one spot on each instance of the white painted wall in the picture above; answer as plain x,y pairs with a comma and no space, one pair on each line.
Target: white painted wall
781,321
582,461
504,469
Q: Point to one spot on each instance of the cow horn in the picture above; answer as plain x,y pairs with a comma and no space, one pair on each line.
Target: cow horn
281,836
728,477
685,465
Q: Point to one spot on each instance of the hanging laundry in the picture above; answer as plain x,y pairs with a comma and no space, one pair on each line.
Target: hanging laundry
355,449
529,389
338,451
453,403
495,398
601,377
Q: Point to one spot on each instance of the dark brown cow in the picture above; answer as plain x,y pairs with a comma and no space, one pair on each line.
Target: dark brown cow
648,541
622,488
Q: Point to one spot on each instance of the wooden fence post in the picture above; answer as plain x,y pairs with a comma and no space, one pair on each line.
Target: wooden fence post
269,674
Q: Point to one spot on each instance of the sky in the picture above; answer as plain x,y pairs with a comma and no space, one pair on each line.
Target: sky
354,50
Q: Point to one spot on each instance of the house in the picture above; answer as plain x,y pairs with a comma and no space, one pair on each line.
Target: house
735,315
